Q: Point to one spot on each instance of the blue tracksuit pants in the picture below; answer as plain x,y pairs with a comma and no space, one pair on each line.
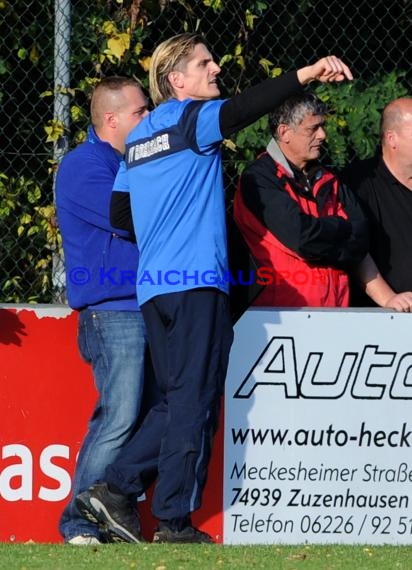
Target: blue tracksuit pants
190,335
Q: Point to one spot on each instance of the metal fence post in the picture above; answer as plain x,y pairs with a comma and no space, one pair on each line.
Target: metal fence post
61,112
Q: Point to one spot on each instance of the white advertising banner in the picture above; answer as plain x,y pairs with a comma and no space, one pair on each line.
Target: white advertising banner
318,428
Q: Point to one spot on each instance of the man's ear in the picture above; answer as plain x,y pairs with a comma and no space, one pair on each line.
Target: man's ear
110,119
176,79
283,132
391,138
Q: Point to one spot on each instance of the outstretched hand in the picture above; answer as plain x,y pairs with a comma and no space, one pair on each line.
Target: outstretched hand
326,70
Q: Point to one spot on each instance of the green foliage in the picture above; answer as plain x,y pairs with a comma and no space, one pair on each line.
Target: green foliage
30,239
107,40
247,144
352,126
355,110
111,37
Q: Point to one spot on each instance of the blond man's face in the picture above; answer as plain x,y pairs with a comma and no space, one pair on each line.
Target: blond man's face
199,76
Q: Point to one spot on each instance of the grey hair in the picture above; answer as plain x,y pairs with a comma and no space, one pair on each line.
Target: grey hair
294,109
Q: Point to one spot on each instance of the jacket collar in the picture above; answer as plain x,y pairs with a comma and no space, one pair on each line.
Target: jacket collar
274,152
92,136
313,174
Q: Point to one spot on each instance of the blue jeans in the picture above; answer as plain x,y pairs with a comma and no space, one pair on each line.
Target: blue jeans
114,343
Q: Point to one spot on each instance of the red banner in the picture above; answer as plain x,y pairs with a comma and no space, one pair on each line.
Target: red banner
46,397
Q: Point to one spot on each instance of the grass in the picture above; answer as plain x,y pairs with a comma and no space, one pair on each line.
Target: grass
203,557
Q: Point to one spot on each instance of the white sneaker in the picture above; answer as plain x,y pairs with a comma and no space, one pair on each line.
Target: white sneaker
84,540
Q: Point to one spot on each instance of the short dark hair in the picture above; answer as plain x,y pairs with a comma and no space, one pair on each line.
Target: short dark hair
294,109
114,83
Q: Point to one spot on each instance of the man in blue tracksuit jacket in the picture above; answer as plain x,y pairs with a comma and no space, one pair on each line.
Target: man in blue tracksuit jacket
101,264
172,176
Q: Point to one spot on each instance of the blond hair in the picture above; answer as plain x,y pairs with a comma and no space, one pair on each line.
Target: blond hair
170,55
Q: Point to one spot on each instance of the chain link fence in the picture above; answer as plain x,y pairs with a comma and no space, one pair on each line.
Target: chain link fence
53,52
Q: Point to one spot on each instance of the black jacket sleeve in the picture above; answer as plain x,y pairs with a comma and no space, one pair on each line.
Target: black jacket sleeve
328,240
121,212
247,107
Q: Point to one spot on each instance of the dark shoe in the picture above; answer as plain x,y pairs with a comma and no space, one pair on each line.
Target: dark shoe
188,535
113,512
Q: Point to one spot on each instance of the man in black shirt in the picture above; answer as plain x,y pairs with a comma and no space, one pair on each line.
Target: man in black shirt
384,188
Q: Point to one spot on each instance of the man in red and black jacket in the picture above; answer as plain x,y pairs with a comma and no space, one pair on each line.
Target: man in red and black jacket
304,228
